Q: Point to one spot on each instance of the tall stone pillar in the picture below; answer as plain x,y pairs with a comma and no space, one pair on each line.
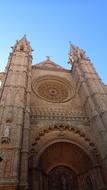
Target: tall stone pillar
93,97
14,108
26,129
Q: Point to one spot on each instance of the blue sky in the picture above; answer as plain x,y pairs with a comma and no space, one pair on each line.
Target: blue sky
51,24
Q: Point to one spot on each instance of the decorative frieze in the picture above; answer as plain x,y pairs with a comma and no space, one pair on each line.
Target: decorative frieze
58,113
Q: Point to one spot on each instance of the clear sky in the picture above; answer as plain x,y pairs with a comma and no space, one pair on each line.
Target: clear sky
51,24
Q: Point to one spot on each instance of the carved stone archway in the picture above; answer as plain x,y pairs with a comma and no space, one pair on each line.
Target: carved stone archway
65,133
67,155
78,154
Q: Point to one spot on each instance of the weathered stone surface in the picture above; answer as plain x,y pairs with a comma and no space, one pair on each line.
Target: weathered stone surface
52,117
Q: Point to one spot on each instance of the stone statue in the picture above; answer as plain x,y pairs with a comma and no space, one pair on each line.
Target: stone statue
63,183
6,135
6,132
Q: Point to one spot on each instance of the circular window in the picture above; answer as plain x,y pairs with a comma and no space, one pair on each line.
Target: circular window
53,89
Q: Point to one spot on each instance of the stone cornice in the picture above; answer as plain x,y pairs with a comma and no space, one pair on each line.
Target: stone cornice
51,69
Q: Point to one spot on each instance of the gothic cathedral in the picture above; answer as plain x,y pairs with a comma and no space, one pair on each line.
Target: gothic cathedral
53,123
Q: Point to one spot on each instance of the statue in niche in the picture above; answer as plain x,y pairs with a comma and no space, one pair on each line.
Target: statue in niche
6,134
6,131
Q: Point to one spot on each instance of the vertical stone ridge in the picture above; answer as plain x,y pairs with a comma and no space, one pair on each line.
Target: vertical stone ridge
14,114
93,97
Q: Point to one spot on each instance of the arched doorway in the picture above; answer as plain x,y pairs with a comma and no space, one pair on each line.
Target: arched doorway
65,154
63,166
62,178
60,158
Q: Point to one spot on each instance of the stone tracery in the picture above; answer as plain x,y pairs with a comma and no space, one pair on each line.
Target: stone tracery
53,89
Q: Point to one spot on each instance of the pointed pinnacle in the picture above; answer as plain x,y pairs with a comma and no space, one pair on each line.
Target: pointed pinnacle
24,37
47,58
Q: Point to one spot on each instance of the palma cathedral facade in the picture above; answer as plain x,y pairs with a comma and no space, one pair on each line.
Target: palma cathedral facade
53,123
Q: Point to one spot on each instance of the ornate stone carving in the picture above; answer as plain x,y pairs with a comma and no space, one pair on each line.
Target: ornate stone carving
6,134
53,89
63,127
76,54
63,113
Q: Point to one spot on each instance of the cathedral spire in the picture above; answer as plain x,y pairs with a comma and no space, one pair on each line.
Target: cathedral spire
76,54
24,37
22,45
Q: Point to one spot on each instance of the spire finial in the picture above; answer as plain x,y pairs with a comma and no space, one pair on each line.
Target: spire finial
48,58
24,36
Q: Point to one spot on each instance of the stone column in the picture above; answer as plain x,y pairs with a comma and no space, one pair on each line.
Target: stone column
94,99
104,170
37,179
25,138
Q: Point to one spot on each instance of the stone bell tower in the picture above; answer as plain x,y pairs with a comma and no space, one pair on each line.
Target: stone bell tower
94,99
14,117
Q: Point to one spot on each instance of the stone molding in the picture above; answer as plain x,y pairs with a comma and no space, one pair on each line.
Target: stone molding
60,126
35,118
50,69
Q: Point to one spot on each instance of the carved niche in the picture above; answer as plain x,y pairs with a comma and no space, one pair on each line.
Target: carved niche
6,134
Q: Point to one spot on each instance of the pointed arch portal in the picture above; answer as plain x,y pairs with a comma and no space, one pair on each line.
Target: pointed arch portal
63,166
65,153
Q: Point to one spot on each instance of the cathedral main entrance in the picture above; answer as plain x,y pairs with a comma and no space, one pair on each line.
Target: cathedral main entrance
63,166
